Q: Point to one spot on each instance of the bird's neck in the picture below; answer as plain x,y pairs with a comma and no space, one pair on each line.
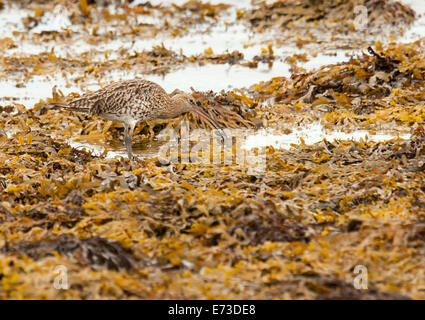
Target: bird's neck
175,108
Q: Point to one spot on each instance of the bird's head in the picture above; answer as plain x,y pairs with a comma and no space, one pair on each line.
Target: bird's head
186,103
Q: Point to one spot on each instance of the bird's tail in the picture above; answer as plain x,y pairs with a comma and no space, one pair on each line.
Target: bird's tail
61,105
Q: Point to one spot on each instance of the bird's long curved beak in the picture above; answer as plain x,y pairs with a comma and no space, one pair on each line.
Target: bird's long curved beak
206,117
210,120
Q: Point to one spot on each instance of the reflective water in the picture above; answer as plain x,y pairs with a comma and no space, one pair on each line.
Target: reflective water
417,30
249,139
214,77
315,133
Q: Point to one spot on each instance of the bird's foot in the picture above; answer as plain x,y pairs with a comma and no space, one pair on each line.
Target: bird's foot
133,157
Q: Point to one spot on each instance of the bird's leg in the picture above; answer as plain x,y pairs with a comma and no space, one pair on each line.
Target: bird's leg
127,141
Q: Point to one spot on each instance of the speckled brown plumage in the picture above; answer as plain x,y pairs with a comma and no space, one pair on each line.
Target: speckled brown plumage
133,101
120,98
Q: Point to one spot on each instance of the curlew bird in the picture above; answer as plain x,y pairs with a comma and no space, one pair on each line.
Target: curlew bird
134,101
